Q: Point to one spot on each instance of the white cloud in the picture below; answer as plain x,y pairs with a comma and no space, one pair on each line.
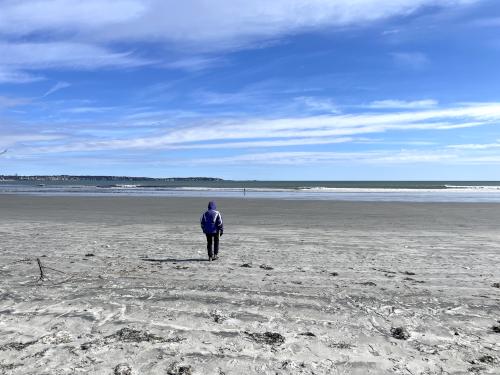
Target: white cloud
402,104
26,17
73,34
68,55
10,75
318,104
10,140
194,63
84,110
58,86
290,131
17,60
476,146
213,24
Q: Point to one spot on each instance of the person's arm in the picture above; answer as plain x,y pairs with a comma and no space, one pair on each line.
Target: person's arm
220,224
202,221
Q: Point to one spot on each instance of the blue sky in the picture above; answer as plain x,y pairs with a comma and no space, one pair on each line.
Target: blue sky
288,89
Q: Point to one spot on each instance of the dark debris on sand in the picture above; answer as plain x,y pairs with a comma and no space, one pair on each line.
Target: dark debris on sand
176,369
334,273
341,345
270,338
487,359
400,333
413,280
266,267
16,345
90,255
122,369
409,273
131,335
496,328
495,285
368,283
218,316
246,265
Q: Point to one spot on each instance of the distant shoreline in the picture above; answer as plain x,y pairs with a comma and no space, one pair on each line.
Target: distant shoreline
102,178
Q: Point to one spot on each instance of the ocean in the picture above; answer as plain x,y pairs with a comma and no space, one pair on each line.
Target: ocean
395,191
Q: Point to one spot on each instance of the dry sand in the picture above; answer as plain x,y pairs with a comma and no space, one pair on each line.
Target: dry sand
325,288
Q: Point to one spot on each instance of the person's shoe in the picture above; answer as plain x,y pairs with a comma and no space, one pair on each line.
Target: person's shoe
209,259
216,257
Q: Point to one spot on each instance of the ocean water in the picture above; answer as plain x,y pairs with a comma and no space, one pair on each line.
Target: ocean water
402,191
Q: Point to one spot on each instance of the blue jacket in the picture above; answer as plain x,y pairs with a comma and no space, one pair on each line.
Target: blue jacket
211,220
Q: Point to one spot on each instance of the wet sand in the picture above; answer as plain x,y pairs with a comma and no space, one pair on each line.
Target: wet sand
302,287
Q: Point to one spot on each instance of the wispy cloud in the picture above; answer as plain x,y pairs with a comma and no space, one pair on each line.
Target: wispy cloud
58,86
222,22
84,34
195,63
13,75
68,55
403,104
476,146
324,105
87,109
264,132
18,60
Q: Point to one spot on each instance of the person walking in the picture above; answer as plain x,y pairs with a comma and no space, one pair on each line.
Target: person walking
212,225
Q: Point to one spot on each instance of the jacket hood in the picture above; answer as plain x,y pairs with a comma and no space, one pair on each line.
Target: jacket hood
211,205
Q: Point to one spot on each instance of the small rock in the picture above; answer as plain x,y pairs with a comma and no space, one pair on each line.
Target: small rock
334,273
496,329
266,267
123,369
400,333
495,285
89,255
246,265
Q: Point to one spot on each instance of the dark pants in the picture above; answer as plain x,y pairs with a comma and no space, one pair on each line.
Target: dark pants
212,238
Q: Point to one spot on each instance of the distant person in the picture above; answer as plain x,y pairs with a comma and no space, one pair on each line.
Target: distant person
212,226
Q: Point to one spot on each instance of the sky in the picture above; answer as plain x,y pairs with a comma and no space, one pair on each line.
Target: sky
251,89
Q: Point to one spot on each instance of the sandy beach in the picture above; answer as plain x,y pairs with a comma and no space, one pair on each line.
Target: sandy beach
302,287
